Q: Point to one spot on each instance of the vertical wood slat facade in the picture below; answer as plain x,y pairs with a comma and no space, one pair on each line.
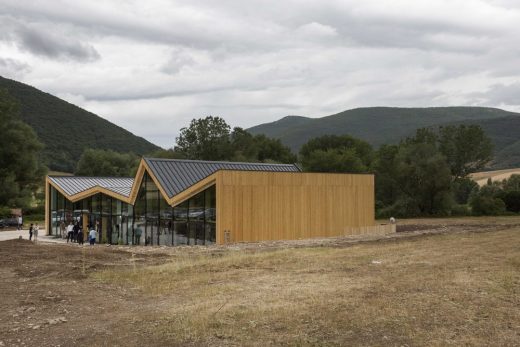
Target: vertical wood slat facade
255,206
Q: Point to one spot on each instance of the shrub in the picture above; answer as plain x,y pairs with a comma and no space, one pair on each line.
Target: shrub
512,201
460,210
487,205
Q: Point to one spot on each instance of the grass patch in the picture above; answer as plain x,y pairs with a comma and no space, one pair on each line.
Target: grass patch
452,289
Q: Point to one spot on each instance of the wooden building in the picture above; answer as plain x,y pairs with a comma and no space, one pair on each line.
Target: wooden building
187,202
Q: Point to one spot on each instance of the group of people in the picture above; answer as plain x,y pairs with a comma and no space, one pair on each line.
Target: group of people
33,231
75,233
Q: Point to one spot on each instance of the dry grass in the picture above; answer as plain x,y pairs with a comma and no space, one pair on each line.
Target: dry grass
498,175
440,290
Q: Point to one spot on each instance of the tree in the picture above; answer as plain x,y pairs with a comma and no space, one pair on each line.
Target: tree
205,139
512,183
385,168
487,201
272,150
210,138
21,171
167,154
424,177
99,162
333,153
467,148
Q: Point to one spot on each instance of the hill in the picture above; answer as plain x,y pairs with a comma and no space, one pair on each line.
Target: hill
381,125
66,130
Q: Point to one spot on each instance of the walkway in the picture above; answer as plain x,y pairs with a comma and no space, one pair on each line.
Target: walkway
15,234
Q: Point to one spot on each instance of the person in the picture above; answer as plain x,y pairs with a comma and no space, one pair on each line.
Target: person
20,222
80,236
138,233
31,231
75,231
92,236
35,232
70,232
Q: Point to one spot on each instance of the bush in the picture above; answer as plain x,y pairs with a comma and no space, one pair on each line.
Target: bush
487,205
403,207
512,201
460,210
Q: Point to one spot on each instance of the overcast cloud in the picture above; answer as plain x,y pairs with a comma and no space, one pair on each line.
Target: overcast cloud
152,66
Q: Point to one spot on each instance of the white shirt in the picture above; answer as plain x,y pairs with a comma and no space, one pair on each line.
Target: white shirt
70,228
92,234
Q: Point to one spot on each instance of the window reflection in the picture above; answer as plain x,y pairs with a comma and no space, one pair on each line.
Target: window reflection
150,221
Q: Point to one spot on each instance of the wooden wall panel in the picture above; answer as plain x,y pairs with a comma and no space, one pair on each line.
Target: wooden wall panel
255,206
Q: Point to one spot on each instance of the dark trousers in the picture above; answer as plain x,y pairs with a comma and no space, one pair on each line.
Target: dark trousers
92,240
30,236
69,236
80,238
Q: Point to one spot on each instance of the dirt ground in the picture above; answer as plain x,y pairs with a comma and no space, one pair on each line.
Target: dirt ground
435,282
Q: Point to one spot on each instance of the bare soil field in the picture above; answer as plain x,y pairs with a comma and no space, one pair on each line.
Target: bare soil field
437,282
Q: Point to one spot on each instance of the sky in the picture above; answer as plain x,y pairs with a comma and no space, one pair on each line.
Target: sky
152,66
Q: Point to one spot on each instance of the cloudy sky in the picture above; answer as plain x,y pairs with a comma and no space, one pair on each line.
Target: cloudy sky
152,66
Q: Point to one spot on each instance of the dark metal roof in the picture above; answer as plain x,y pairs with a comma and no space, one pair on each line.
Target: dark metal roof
176,175
73,185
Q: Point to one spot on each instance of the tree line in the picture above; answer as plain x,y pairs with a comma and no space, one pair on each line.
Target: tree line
426,174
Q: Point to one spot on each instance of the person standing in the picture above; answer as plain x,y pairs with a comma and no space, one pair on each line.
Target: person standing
20,222
70,232
80,236
75,231
92,236
31,232
35,232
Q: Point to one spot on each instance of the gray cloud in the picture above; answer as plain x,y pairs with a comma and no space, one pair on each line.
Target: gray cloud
13,68
166,61
500,94
51,46
42,40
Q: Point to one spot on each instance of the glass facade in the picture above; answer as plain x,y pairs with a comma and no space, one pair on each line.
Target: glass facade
150,221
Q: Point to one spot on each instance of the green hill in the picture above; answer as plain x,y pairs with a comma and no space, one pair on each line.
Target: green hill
66,130
505,133
380,125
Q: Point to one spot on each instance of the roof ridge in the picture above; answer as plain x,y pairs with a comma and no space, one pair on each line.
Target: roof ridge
91,177
218,161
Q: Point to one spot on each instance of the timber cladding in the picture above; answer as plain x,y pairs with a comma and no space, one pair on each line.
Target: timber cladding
255,206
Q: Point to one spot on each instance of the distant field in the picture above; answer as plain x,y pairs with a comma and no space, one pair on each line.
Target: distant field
446,282
482,177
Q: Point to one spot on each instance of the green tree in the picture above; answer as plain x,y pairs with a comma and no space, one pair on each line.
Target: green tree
462,188
467,148
333,153
167,154
272,150
205,139
512,183
21,171
385,168
424,177
99,162
487,201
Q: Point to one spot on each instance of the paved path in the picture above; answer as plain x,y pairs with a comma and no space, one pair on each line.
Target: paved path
15,234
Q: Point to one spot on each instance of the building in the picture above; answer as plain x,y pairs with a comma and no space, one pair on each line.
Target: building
189,202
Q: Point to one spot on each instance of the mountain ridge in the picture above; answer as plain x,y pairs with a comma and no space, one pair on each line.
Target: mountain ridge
66,129
386,125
